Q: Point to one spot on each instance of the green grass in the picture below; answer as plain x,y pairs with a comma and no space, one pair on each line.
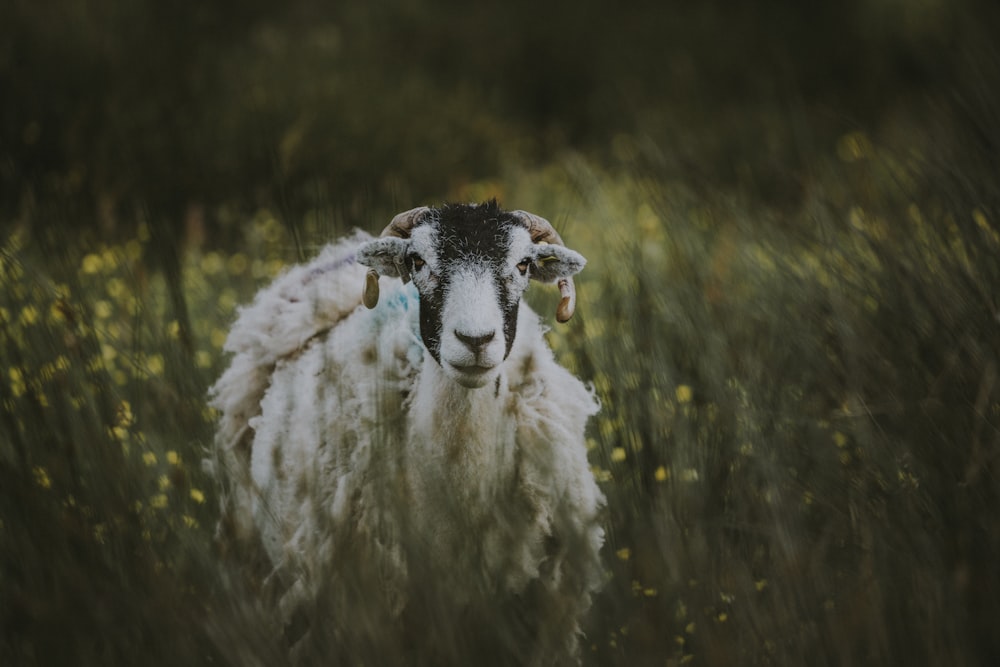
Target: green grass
798,441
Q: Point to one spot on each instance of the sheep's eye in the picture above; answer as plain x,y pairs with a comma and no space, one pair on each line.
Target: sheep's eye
417,261
523,265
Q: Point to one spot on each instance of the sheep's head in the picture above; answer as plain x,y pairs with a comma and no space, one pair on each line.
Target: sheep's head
470,263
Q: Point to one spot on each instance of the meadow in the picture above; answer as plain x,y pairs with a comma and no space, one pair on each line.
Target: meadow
798,438
790,312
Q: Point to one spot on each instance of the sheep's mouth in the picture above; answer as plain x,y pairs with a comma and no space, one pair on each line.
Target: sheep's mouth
472,369
472,376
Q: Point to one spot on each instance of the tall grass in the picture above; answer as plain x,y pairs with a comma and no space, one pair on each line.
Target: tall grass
800,426
798,440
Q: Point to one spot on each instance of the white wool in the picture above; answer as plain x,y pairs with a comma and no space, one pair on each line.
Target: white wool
339,434
299,304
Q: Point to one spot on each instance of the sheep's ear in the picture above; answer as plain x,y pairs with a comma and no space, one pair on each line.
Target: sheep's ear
385,255
552,262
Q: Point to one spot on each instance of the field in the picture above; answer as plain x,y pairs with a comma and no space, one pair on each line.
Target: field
798,360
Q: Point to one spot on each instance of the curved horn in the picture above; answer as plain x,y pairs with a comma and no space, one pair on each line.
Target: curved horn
404,222
399,227
541,231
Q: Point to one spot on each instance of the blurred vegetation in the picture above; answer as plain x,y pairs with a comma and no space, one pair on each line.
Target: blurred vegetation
119,104
790,313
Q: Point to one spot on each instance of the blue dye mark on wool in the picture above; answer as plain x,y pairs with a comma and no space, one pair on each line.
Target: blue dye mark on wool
404,298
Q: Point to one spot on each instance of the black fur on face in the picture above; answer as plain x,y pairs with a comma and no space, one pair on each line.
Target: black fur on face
430,322
469,235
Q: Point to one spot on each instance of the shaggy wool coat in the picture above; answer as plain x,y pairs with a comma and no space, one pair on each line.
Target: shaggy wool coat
401,515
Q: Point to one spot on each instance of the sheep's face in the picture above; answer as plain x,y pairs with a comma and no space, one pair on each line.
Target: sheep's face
470,264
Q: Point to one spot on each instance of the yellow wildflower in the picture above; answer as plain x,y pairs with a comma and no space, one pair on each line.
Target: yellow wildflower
17,383
202,359
854,146
91,263
218,338
42,478
108,352
102,309
227,299
29,315
124,415
154,364
116,288
237,264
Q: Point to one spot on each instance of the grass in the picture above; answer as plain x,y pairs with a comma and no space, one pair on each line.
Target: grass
798,439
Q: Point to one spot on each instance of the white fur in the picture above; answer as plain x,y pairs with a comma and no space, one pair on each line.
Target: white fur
471,309
360,463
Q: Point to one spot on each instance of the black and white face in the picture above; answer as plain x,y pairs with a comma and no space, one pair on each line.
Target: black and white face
470,265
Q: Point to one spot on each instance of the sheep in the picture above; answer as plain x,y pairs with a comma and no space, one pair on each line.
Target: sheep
412,474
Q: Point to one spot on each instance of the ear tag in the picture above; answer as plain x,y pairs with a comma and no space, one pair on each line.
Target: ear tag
404,272
370,294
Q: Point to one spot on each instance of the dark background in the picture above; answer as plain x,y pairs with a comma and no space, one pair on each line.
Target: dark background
111,103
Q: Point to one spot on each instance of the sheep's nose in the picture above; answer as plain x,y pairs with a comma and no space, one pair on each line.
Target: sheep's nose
475,342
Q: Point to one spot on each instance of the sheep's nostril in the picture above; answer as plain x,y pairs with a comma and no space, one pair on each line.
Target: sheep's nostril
475,343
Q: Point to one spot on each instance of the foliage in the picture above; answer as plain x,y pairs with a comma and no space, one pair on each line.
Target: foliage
791,217
800,429
798,436
122,103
